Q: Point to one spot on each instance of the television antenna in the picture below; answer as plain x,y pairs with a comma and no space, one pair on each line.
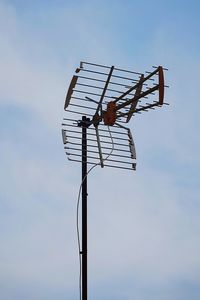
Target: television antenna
99,102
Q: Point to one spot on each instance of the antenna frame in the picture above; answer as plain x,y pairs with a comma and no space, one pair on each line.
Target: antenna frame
111,116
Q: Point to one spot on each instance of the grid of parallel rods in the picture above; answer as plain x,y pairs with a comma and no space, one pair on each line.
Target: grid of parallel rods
116,144
85,94
91,82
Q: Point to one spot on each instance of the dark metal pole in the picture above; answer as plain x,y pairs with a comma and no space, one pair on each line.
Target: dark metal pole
84,207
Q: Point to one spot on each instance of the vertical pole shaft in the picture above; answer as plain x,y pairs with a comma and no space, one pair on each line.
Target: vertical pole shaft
84,208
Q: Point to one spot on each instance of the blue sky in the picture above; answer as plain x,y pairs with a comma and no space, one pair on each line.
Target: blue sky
144,227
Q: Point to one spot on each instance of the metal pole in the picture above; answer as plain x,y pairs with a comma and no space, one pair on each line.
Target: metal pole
84,208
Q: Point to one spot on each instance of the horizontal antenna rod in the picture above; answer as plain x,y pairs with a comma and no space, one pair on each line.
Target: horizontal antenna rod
97,158
81,106
97,65
111,82
105,142
104,153
103,147
90,93
106,136
163,68
101,73
79,113
106,165
107,67
91,128
100,88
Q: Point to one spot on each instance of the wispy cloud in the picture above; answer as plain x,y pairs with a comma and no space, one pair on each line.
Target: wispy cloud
143,226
